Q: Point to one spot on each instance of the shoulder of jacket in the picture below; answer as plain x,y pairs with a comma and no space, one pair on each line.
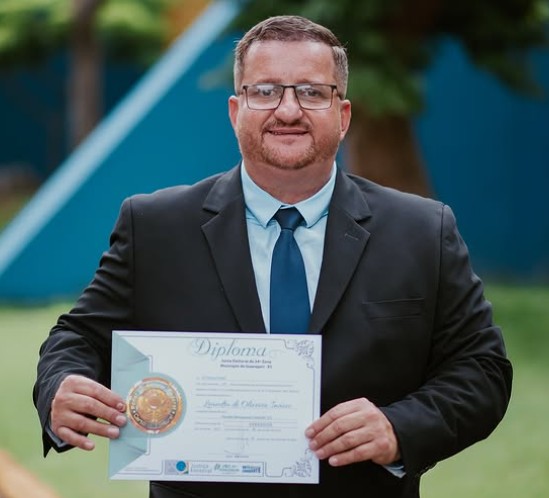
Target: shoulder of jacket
175,193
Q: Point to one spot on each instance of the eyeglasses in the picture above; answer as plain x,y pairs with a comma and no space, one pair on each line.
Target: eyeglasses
311,96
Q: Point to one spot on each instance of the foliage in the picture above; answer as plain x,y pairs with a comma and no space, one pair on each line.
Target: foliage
32,29
391,41
134,28
11,204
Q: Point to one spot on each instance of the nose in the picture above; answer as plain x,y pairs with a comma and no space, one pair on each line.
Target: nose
289,108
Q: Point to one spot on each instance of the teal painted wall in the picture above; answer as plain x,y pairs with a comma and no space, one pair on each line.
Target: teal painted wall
173,127
486,150
33,131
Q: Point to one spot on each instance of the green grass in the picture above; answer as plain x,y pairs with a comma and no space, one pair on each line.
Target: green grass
513,462
73,474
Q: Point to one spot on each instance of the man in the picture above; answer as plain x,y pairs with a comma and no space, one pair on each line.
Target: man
413,371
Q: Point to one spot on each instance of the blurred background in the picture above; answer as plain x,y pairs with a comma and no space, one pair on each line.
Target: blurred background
100,99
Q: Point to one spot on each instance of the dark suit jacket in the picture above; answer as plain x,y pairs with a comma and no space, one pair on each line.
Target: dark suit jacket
402,315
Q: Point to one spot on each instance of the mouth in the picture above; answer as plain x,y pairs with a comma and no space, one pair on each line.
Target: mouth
287,132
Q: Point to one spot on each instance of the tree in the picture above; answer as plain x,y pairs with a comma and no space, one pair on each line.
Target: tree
89,30
390,43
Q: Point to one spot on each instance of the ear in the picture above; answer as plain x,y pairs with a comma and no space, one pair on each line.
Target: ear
345,116
234,107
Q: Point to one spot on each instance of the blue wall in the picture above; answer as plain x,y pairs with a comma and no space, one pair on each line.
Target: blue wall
32,112
486,150
172,128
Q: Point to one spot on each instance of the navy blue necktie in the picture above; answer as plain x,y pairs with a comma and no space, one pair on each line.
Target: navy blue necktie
290,310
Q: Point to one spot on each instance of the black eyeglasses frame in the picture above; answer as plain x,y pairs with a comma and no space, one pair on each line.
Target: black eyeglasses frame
294,87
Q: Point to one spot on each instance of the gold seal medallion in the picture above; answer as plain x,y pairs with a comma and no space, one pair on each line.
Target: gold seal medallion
154,405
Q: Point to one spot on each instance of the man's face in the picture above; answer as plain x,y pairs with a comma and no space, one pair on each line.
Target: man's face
289,137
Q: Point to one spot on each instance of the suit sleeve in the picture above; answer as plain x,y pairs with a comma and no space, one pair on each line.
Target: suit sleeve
468,380
80,342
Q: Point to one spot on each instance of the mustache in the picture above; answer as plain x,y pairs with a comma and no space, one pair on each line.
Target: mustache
276,124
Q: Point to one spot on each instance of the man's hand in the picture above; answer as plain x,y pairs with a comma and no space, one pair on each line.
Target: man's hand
351,432
79,401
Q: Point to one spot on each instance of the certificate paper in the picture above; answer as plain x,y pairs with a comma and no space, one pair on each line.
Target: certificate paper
216,406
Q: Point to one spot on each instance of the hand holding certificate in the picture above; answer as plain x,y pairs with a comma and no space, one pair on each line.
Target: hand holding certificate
216,406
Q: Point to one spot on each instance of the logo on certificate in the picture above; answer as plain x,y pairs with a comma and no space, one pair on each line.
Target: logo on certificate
155,405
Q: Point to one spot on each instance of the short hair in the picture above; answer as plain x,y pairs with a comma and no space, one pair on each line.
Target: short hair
289,29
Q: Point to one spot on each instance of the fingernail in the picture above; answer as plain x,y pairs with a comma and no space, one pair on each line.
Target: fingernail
313,445
120,420
113,432
309,433
121,407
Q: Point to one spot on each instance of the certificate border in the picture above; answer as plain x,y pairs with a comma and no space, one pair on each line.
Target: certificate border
304,470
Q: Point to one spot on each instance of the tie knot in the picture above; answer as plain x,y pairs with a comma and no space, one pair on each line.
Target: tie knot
288,219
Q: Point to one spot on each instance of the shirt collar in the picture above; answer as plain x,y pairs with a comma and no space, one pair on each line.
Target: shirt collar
262,206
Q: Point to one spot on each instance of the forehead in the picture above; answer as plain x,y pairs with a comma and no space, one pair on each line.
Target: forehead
289,62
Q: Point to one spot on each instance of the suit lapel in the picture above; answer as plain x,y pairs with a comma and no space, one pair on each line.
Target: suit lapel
227,238
344,245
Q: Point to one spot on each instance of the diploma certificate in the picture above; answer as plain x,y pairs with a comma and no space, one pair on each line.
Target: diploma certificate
227,407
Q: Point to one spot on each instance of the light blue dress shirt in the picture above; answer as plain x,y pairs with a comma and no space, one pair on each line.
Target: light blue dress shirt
263,232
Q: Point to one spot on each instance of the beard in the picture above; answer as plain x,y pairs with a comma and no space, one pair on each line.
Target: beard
254,148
